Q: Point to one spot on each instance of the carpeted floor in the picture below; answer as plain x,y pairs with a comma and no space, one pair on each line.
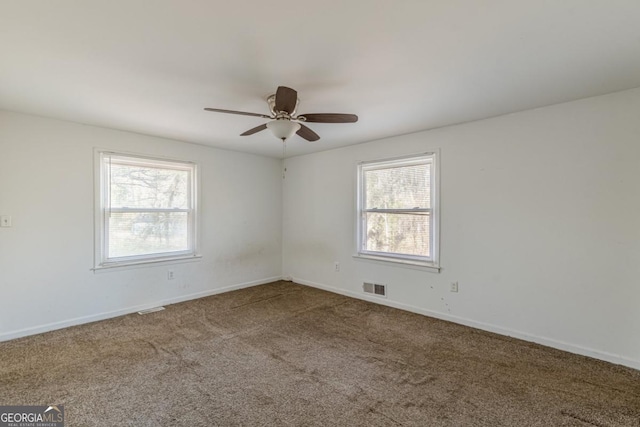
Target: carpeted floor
287,355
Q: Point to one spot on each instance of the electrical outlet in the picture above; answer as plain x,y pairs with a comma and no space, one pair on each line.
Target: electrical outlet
170,275
454,287
337,266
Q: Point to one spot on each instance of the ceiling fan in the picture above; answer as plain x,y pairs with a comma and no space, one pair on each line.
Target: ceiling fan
284,121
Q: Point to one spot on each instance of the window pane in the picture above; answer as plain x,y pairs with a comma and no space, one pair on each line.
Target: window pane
148,187
404,187
147,233
398,233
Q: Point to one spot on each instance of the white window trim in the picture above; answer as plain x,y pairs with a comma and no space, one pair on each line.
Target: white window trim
100,238
400,260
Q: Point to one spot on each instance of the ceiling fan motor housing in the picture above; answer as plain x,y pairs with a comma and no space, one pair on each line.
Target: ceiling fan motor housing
271,101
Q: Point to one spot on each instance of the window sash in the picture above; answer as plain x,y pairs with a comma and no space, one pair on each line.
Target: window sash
148,255
393,164
144,210
400,255
405,211
110,159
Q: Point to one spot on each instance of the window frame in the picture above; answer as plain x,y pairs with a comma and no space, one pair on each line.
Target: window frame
431,262
101,199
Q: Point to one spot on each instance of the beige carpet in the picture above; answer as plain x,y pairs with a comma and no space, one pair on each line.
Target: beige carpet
288,355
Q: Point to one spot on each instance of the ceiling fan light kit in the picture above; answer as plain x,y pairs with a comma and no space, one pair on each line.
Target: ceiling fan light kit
284,122
283,129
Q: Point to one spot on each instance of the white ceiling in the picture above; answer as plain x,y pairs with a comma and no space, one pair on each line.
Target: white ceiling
151,66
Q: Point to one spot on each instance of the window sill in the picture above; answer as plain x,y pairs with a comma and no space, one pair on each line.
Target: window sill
399,262
147,262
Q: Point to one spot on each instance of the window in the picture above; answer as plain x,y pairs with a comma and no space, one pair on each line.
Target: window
397,210
146,210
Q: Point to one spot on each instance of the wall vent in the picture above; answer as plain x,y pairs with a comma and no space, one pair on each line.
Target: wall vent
150,310
374,288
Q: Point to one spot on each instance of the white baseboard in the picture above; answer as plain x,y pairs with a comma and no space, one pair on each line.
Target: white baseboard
6,336
549,342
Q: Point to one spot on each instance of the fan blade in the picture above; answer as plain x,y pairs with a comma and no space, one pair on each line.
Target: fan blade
254,130
243,113
286,99
307,133
329,118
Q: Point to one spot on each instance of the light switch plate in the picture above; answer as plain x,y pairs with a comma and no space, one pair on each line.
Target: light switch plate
5,221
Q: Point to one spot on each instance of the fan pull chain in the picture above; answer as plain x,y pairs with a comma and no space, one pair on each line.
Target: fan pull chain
284,156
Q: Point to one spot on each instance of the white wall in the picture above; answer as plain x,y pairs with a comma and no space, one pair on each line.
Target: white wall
540,225
46,185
